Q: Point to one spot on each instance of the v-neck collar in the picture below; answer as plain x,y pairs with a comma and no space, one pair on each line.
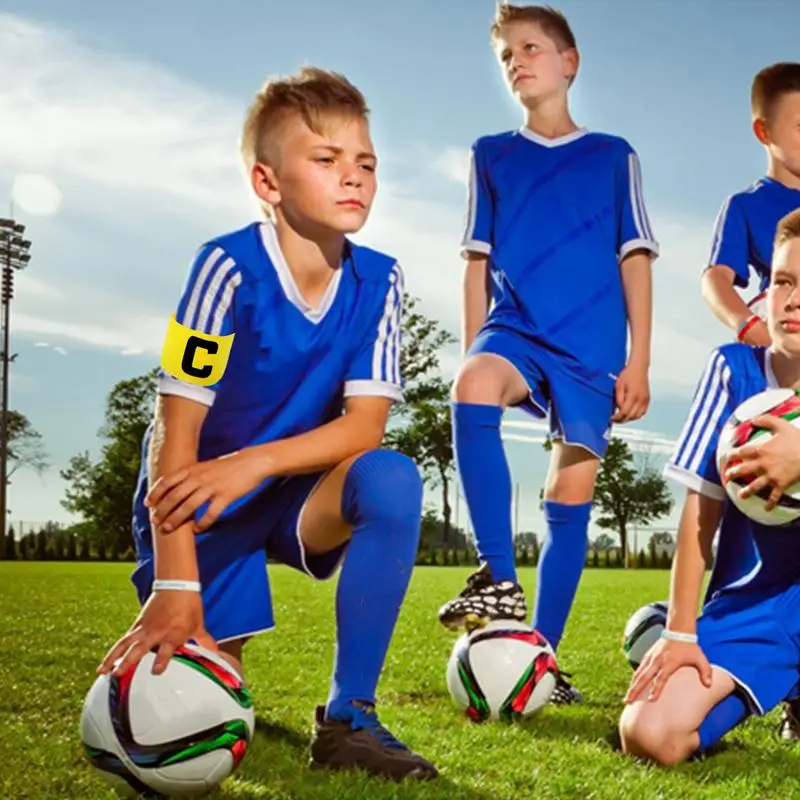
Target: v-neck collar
544,141
269,238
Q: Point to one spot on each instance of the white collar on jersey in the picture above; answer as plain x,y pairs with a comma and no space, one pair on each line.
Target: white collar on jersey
269,238
557,142
769,373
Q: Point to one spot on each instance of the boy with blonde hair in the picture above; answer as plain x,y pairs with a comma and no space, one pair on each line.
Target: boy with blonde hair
559,248
742,656
743,239
280,455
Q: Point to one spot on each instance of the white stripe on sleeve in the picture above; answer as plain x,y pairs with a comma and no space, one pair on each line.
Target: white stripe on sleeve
386,350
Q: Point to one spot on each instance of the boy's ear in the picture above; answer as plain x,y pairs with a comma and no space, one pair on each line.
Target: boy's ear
760,130
265,183
572,60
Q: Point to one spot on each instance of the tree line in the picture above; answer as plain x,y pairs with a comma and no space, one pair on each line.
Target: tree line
100,490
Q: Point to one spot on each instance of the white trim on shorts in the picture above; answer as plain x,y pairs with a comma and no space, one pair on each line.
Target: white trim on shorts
248,635
301,546
748,691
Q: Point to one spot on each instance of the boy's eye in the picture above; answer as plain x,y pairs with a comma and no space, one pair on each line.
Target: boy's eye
325,160
530,46
368,167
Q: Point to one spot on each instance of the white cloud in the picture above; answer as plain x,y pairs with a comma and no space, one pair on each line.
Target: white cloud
151,154
453,164
36,194
111,120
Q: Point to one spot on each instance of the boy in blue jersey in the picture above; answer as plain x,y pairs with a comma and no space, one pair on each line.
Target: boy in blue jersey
745,226
742,656
280,457
745,229
557,227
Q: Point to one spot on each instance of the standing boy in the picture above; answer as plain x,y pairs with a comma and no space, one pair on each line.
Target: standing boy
557,227
280,455
745,226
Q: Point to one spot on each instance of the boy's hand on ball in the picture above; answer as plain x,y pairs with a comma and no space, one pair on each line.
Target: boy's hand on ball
175,498
774,463
166,622
662,660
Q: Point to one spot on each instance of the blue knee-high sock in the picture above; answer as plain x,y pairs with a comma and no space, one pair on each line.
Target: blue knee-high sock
382,499
725,716
561,563
486,483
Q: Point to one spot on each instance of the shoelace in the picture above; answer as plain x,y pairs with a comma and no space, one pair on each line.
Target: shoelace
367,720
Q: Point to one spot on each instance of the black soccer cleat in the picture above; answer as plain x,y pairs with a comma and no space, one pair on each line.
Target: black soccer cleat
483,601
361,742
565,694
789,727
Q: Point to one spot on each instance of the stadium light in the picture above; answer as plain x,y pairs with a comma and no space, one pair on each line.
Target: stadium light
14,255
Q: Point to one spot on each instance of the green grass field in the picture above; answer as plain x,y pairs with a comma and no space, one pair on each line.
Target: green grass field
58,619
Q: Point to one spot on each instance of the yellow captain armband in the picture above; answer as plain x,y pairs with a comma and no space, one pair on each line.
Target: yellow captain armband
195,357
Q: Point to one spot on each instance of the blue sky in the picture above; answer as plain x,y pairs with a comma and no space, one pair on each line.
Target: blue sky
132,111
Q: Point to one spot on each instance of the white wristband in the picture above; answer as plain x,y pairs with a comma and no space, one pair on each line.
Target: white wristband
679,636
176,586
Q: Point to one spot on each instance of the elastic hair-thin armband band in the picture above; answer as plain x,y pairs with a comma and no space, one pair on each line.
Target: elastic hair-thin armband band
679,636
176,586
744,327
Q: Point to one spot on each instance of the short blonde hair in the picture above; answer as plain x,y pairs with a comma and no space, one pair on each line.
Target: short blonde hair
313,94
788,229
553,23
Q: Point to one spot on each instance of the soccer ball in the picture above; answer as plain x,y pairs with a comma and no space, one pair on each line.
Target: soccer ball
643,630
506,670
178,733
740,430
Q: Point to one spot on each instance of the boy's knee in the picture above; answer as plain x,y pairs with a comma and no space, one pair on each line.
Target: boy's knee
382,484
484,380
644,733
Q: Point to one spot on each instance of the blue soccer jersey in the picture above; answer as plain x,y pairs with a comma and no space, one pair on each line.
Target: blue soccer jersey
749,555
556,218
290,366
745,227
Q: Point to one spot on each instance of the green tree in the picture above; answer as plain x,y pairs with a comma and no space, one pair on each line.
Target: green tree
423,340
425,436
25,447
625,495
421,423
25,451
41,546
603,542
11,545
101,491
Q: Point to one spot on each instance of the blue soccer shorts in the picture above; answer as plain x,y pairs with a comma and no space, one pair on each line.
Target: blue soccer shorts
754,636
580,413
232,558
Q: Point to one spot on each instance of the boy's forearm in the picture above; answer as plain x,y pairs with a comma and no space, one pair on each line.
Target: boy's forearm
722,298
322,448
476,298
173,446
692,556
637,283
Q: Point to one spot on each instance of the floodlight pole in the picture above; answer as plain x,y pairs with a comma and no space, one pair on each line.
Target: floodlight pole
15,255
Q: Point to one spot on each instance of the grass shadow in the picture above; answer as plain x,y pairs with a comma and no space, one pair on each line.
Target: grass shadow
277,767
